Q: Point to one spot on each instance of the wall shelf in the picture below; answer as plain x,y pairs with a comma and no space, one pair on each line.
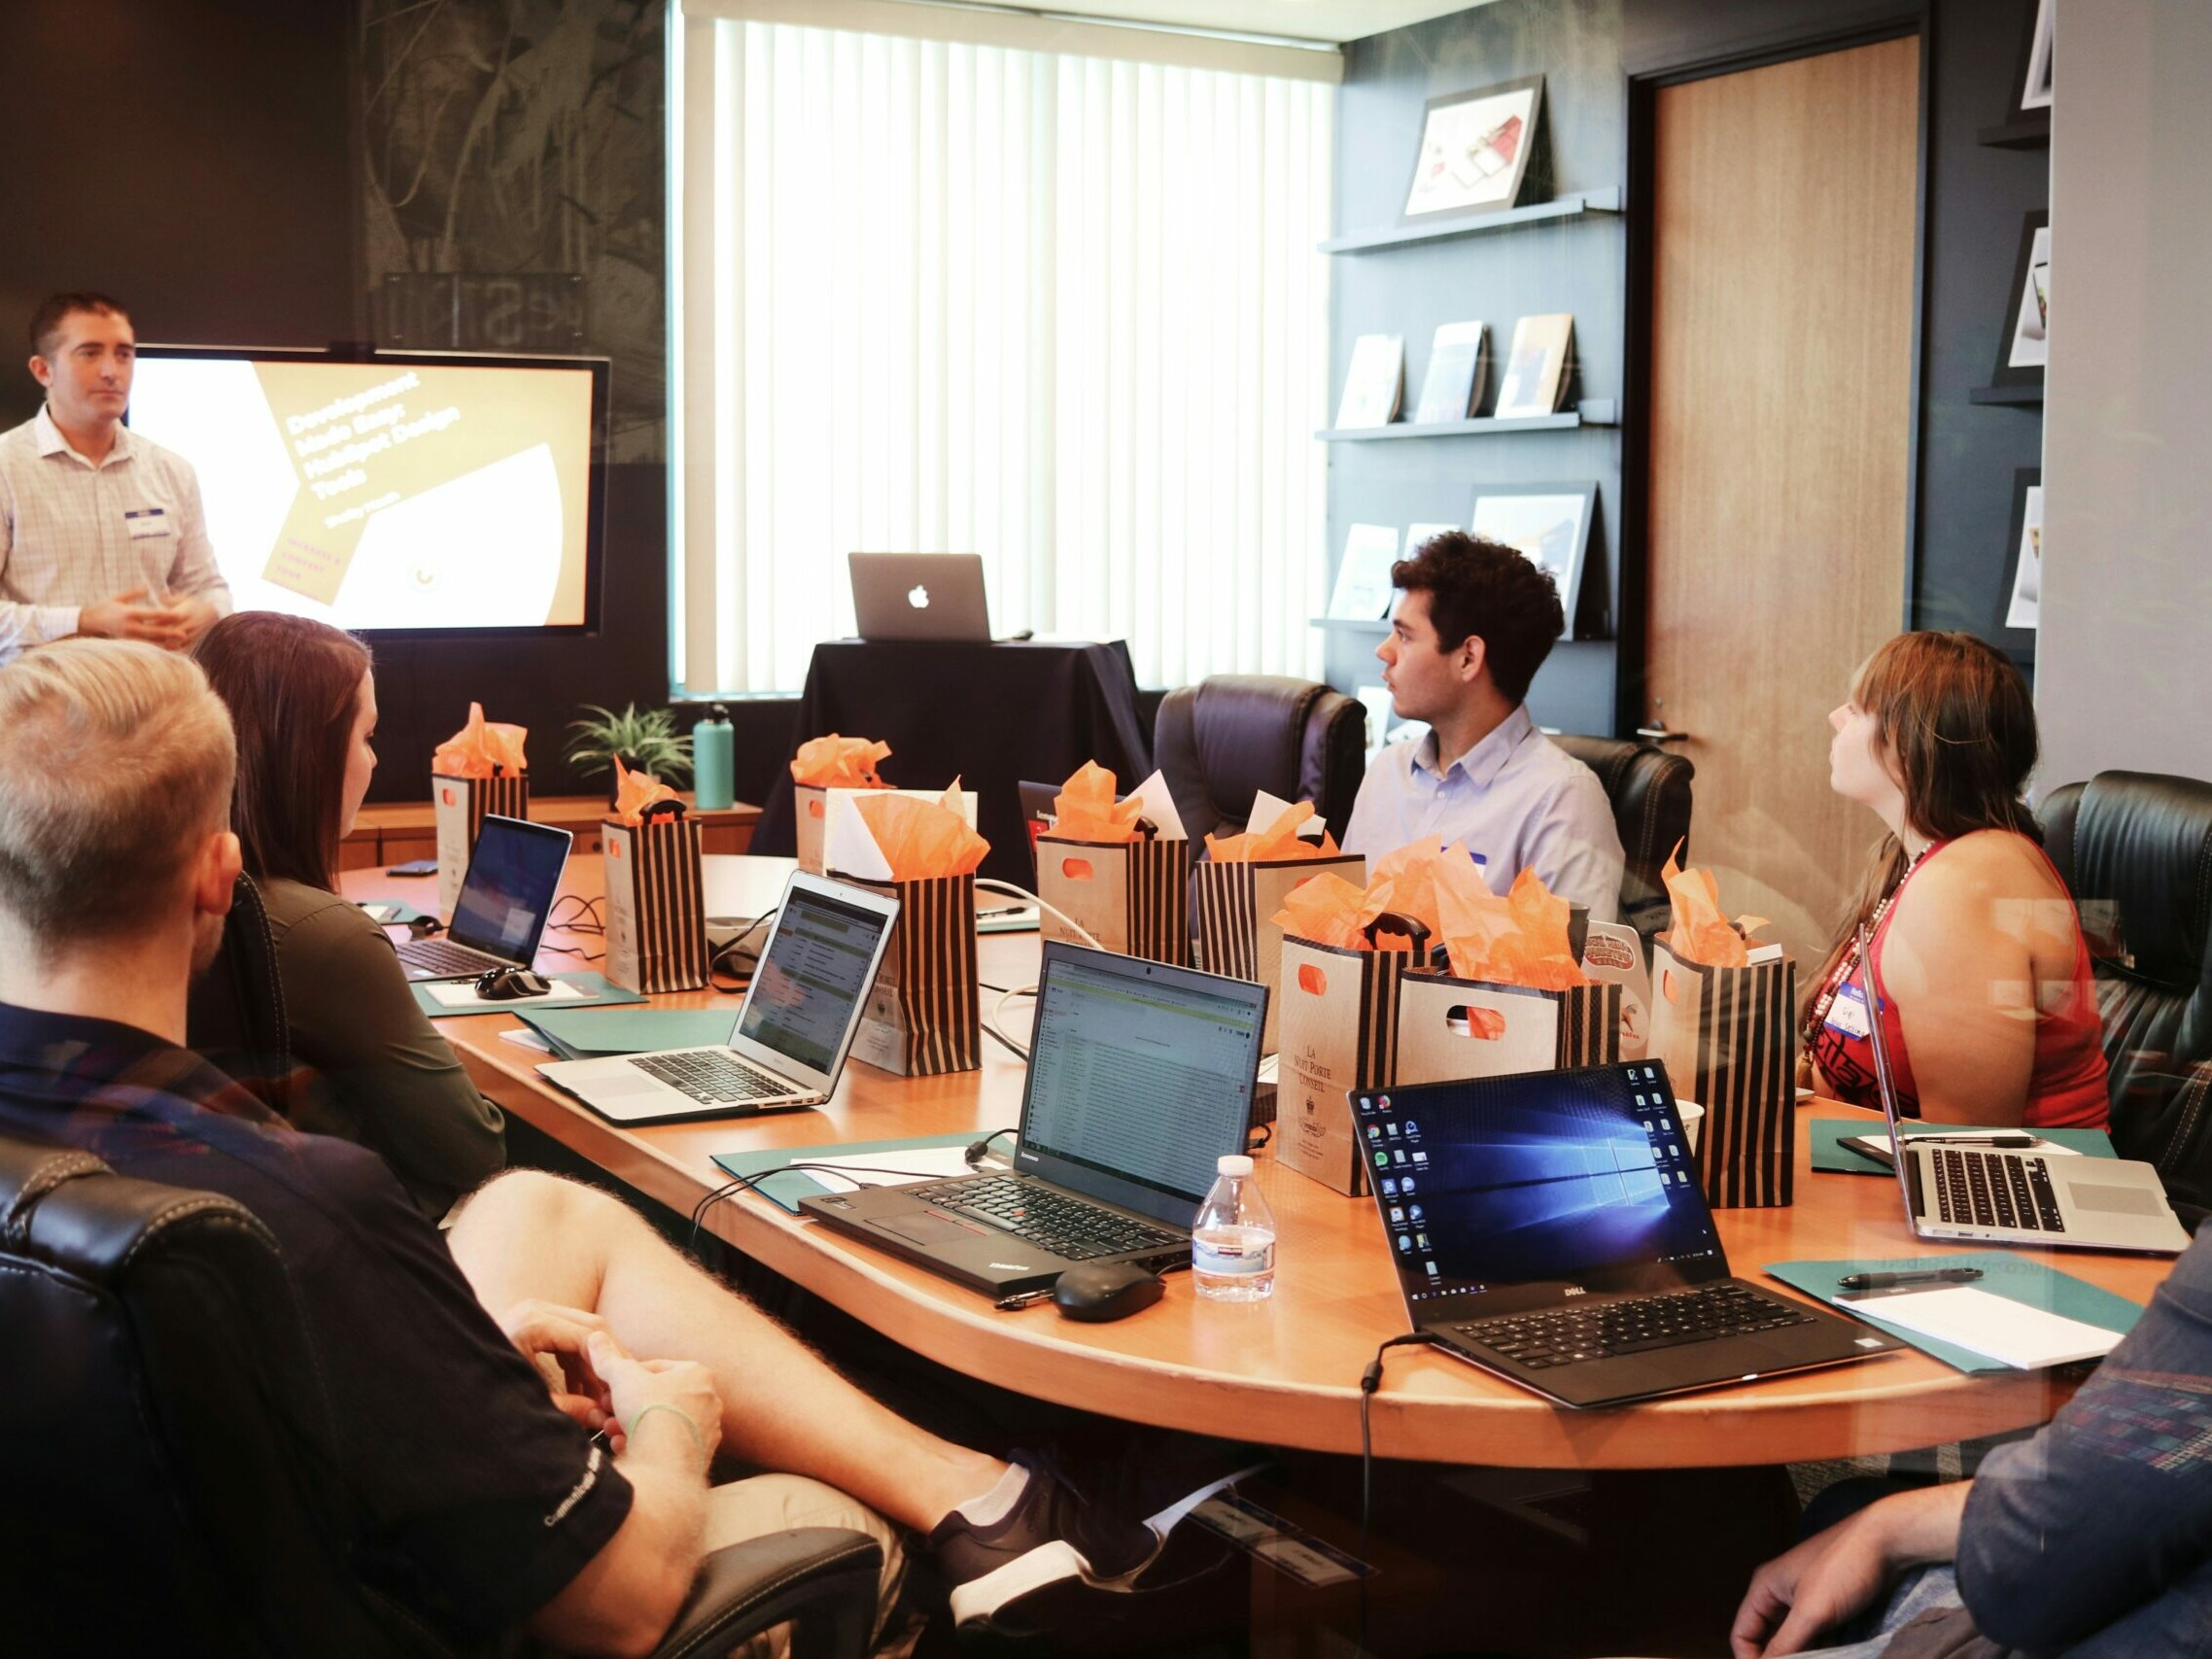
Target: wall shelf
2033,133
2023,395
1591,412
1579,205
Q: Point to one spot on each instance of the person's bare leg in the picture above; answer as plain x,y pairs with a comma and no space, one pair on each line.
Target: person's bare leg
529,1235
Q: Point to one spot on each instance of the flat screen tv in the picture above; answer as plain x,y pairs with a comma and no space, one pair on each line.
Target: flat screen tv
419,493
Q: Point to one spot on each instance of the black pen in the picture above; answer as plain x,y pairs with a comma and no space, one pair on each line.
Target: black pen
2013,1139
1931,1276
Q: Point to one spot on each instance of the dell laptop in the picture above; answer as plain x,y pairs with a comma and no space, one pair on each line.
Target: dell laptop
792,1030
1140,1080
1994,1196
920,596
504,899
1549,1227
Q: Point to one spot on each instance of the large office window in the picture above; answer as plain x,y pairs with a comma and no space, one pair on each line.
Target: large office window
1062,311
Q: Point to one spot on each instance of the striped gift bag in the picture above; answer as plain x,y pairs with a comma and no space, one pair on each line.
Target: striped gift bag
1232,906
460,806
1729,1042
1451,1029
1132,896
656,915
1339,1034
923,1016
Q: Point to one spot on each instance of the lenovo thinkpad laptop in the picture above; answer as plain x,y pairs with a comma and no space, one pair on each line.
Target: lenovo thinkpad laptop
920,596
504,899
1140,1080
1549,1227
2001,1197
792,1030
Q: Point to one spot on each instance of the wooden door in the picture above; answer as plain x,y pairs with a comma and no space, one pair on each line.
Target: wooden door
1781,341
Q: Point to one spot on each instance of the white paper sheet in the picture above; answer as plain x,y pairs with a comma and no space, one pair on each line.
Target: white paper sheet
1267,808
2019,1335
462,994
927,1163
1159,807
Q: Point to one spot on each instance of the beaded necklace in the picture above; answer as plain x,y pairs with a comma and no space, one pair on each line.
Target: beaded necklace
1847,965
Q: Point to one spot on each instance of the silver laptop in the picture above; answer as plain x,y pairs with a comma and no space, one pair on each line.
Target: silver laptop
790,1037
513,876
920,596
2001,1196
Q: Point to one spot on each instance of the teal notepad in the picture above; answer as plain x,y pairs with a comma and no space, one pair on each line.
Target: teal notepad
598,993
2003,1274
589,1033
1836,1159
793,1184
393,912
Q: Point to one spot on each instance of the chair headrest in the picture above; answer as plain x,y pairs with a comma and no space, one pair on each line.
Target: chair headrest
1248,731
2143,843
66,1208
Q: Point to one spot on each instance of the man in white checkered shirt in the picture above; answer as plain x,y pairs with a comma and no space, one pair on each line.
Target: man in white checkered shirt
101,531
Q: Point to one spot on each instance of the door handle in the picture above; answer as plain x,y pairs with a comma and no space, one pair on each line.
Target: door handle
1661,734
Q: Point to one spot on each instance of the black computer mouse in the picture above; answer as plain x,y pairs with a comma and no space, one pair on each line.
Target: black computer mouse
1095,1292
508,985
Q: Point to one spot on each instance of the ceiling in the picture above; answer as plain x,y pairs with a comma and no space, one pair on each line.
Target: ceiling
1333,20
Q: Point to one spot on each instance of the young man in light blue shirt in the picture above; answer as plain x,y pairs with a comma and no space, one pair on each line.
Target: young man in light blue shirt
1475,621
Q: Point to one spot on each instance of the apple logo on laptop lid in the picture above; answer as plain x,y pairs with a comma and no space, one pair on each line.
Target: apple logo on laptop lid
917,595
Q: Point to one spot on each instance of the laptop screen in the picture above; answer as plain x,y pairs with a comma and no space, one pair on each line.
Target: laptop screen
817,965
512,877
1540,1178
1140,1079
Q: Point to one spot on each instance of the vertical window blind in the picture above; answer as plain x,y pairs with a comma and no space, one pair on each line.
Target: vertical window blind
1062,311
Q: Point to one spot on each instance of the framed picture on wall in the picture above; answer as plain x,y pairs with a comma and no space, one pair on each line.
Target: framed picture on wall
2031,82
1548,523
2026,343
1476,149
2023,573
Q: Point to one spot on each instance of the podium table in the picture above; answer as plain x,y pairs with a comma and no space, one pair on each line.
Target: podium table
989,714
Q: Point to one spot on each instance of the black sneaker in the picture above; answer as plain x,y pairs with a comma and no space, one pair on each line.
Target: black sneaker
1037,1566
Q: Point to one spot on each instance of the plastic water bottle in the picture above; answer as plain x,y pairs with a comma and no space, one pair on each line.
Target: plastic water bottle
1232,1240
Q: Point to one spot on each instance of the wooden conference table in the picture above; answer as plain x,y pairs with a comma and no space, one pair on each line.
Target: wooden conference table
1285,1371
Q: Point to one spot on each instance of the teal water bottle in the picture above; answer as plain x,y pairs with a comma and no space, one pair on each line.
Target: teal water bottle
713,761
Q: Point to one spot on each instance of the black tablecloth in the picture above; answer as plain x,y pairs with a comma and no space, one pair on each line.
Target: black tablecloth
991,716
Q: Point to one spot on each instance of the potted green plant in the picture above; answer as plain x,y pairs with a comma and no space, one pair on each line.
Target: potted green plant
646,741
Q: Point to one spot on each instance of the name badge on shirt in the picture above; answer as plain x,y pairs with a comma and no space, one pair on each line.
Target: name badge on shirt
144,522
1848,1013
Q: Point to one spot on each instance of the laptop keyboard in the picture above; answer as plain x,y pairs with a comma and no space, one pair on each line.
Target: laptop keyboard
1051,1220
1566,1337
1981,1189
714,1077
444,956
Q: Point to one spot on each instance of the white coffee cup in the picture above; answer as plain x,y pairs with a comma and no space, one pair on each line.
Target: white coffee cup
1692,1116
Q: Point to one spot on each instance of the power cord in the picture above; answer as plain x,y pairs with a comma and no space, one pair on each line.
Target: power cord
725,956
991,1024
1369,1381
1013,891
978,1150
738,1184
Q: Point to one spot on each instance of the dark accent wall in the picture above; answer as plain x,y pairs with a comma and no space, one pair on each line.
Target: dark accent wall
1587,50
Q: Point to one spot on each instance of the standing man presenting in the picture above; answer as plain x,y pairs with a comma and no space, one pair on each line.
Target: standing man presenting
1474,622
101,530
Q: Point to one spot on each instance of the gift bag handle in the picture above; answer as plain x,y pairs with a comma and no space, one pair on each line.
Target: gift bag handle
672,810
1389,922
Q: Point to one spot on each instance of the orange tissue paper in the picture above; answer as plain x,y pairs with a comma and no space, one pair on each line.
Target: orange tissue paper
1085,810
482,748
1517,940
635,791
1699,932
839,763
1408,882
922,840
1278,844
1327,910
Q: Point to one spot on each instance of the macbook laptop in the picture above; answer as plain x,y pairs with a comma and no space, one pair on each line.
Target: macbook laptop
1140,1080
2001,1196
504,899
1549,1227
920,596
789,1039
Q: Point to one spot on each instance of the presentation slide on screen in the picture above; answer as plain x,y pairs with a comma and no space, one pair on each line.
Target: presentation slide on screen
373,496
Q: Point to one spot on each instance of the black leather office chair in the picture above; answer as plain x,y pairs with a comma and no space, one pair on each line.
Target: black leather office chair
235,1013
1220,741
168,1479
2135,847
1649,788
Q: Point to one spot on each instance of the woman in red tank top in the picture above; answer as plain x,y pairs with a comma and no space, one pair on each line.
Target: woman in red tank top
1981,975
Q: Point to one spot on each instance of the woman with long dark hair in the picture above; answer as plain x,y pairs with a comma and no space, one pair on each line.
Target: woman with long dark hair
302,697
1987,1006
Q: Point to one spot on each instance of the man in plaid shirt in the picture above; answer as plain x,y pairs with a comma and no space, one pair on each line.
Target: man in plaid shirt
101,531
